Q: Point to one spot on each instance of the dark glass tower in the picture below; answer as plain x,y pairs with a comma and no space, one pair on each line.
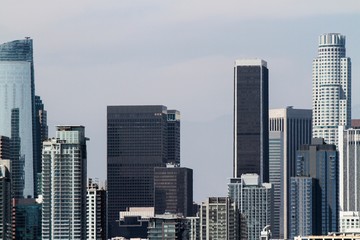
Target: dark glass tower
251,106
173,190
137,142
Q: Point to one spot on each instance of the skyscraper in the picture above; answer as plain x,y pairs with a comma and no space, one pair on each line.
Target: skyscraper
251,116
349,172
289,128
253,200
319,160
5,199
331,97
173,188
137,141
17,111
64,184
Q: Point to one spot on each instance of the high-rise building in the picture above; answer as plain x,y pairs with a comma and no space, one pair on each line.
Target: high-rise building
253,200
194,227
173,190
173,119
251,116
218,219
96,227
5,151
17,111
5,199
331,97
134,222
349,222
349,172
40,135
64,169
137,141
319,160
304,207
289,128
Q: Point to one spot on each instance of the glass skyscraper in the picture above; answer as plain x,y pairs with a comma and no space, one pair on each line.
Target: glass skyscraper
331,97
17,111
251,116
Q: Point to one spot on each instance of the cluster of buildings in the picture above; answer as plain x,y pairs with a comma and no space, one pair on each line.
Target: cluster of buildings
295,171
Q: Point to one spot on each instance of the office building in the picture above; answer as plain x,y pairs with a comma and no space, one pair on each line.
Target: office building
168,227
304,207
218,219
4,147
26,219
251,116
194,227
253,200
173,120
64,184
96,227
289,128
5,199
349,222
137,141
319,160
349,174
173,188
331,96
16,111
331,236
40,135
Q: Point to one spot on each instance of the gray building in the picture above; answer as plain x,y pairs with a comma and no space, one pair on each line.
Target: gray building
253,200
173,188
289,128
349,172
251,106
168,227
17,107
64,169
319,160
138,140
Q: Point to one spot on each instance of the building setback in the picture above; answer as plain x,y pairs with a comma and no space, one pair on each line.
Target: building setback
138,140
64,169
251,106
331,96
289,128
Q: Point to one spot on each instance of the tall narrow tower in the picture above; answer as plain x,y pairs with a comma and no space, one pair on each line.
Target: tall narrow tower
64,184
331,101
251,106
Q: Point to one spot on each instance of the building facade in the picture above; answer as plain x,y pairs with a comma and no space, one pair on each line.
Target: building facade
289,128
64,169
137,141
253,200
5,199
349,172
251,116
96,227
349,222
17,111
218,219
168,227
173,188
319,160
331,96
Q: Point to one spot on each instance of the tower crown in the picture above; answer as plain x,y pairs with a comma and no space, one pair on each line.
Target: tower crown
331,39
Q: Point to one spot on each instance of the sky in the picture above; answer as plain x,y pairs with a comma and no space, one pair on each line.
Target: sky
89,54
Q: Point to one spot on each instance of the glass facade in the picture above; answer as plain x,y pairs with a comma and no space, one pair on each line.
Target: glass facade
16,122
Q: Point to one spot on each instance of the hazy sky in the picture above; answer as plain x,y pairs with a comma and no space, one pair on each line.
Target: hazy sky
90,54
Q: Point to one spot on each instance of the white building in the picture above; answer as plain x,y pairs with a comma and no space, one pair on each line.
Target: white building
254,201
331,101
349,222
95,211
218,217
64,184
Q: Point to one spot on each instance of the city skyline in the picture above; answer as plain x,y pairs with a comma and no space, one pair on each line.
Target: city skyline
193,75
